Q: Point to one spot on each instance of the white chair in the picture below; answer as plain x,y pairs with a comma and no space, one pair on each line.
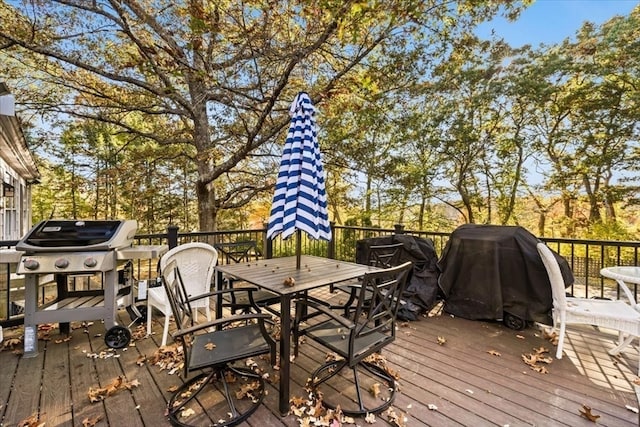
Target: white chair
616,315
196,262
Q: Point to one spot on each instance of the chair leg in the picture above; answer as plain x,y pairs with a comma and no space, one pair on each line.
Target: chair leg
330,369
149,311
563,328
622,343
349,303
228,411
165,332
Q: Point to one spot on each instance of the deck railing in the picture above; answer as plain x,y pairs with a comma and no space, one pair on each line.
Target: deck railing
586,258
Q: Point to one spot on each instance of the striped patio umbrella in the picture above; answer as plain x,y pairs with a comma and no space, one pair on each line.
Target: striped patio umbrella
300,199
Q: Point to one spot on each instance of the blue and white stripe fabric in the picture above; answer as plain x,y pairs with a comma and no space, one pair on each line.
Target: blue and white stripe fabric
300,198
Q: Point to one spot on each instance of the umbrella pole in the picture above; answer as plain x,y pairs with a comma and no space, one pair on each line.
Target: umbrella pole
298,248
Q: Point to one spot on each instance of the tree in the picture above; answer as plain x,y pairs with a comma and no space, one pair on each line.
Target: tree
218,76
587,114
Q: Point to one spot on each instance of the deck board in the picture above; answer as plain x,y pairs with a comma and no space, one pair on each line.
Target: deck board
24,399
468,385
55,401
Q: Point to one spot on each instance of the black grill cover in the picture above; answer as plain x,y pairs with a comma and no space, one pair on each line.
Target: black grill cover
489,270
422,285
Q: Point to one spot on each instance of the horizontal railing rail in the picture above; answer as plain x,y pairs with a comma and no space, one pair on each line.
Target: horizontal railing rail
585,257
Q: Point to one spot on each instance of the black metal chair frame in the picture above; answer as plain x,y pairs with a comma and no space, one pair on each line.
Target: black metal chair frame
354,338
382,256
212,348
237,252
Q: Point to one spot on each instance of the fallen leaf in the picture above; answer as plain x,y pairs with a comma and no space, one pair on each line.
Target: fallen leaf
297,401
10,343
131,384
230,377
375,390
380,361
246,390
187,412
541,350
348,420
540,369
370,418
432,407
99,394
31,421
632,408
551,336
586,412
520,336
539,356
91,422
494,353
394,418
442,340
298,412
209,346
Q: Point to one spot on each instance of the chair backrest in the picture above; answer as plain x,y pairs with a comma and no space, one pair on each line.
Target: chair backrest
385,256
177,295
234,252
555,276
377,308
197,263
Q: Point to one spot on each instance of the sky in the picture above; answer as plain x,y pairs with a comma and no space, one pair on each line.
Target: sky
551,21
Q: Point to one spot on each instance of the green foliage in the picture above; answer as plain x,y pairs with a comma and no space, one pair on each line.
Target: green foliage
609,231
180,111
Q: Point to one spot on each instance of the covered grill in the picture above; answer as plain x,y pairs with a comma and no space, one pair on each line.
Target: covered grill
495,272
68,248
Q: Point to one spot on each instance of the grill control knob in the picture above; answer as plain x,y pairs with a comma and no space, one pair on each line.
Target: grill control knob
90,262
31,264
62,263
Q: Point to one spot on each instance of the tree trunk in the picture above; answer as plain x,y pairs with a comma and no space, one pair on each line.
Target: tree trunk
568,213
423,203
207,203
594,209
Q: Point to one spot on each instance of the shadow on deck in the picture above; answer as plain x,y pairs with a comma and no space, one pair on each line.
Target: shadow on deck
452,372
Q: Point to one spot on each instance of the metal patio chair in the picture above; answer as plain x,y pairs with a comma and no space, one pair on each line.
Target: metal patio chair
226,391
355,340
243,252
382,256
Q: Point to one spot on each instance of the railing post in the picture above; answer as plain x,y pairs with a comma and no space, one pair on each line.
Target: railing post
331,247
268,243
399,229
172,236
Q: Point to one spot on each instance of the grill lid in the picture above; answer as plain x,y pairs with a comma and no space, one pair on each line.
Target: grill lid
78,235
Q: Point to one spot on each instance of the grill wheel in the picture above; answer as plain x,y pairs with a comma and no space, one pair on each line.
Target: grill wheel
117,337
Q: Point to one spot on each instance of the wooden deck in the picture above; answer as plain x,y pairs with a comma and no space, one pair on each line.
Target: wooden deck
476,377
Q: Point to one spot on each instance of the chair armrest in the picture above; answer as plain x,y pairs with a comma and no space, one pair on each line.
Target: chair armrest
248,289
261,317
324,309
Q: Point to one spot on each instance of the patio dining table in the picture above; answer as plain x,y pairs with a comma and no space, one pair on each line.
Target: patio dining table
271,274
624,274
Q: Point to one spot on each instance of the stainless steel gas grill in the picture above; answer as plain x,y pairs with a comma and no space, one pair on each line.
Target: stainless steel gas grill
69,248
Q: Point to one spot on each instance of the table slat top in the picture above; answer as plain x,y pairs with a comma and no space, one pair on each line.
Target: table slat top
314,272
